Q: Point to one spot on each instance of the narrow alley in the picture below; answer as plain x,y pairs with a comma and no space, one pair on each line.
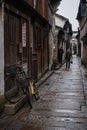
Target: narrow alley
62,103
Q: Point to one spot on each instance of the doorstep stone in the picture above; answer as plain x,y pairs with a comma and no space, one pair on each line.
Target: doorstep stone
11,109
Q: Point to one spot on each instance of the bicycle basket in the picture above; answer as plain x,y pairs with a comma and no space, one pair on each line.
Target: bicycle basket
11,70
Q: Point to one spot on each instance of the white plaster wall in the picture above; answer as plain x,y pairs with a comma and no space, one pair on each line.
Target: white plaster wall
59,21
50,50
1,54
55,49
82,50
64,48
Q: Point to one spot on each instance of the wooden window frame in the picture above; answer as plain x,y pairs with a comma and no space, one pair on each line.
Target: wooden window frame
38,36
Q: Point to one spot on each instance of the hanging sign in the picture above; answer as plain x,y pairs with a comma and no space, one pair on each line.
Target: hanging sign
24,34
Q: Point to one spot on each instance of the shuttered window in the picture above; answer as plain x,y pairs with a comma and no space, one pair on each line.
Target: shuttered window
12,28
38,36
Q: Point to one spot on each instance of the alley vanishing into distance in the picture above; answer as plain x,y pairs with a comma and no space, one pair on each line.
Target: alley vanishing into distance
62,103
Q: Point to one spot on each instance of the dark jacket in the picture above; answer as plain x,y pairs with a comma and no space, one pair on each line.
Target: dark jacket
68,55
60,53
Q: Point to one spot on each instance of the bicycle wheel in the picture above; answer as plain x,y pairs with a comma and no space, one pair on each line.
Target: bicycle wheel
34,90
28,96
13,91
36,93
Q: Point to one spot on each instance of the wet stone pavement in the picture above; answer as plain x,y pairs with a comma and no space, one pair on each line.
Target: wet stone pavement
62,103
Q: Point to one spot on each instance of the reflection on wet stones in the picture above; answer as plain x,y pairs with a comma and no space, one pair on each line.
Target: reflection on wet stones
59,106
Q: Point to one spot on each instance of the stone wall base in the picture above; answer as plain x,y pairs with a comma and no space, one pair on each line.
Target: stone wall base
2,102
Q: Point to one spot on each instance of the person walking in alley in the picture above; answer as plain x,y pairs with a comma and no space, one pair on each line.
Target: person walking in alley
68,57
60,55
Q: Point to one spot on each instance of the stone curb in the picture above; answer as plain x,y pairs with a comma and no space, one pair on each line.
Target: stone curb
47,75
12,109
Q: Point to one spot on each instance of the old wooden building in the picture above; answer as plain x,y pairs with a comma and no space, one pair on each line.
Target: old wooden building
24,36
65,36
82,19
60,21
26,40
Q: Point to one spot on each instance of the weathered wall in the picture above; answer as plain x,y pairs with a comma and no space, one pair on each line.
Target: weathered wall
60,20
50,49
1,58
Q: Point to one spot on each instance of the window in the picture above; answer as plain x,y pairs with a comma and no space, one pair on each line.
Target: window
12,28
38,36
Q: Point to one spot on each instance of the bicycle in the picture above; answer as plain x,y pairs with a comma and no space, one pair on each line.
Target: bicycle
33,89
15,76
23,83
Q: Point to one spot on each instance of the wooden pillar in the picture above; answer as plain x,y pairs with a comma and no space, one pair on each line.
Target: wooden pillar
1,56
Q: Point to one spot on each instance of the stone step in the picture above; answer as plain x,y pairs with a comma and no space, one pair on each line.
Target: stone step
11,109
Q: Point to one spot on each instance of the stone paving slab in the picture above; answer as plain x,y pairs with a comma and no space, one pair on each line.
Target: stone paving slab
56,113
62,103
81,101
56,123
65,95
